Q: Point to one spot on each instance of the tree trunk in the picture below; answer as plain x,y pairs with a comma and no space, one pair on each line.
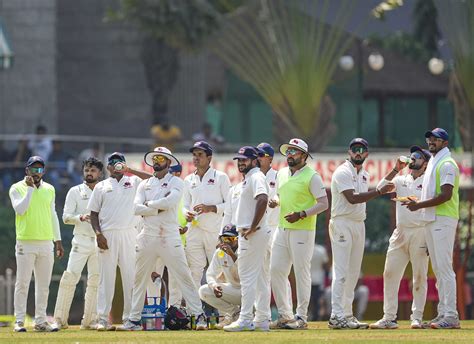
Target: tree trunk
161,64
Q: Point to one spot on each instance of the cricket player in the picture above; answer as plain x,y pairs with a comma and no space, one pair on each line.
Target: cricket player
350,192
302,196
440,211
254,235
113,219
37,226
205,191
407,243
157,202
222,290
83,250
230,207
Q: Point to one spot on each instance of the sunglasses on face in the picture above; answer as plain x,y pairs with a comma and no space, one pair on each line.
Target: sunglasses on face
36,169
433,139
417,155
291,151
358,149
229,239
158,159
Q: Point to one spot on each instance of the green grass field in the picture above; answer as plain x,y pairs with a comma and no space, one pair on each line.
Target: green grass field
317,333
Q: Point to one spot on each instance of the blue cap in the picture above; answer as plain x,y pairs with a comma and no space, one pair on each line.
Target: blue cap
266,149
176,168
34,159
247,152
359,140
115,156
425,153
439,133
229,231
206,147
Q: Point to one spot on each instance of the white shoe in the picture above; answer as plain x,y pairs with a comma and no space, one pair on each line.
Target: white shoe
383,324
447,323
340,323
103,325
239,326
45,327
263,326
60,324
416,324
201,322
226,321
354,323
19,327
296,324
130,326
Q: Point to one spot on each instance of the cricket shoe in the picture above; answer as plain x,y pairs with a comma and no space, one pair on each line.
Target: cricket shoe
92,325
19,327
296,324
262,326
427,324
45,327
447,323
341,323
280,324
60,324
103,325
384,324
416,324
240,326
353,322
129,325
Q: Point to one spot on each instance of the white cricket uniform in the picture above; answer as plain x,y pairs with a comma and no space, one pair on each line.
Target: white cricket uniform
113,200
35,256
407,244
440,232
203,234
230,206
254,284
223,272
294,247
160,239
83,251
347,233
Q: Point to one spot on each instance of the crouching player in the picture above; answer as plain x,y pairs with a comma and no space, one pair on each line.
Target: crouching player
222,290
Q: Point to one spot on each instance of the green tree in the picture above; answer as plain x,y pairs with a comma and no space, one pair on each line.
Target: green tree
426,32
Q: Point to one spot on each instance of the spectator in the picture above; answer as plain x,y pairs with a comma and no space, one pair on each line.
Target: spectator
62,166
166,134
319,267
41,145
207,135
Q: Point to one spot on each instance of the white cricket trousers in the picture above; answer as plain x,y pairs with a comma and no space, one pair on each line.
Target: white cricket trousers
35,256
227,304
121,253
200,248
292,247
83,251
440,236
254,284
170,249
347,243
407,244
153,289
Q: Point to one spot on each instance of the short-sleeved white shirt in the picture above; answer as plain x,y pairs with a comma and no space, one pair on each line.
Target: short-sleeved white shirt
406,186
253,185
113,200
273,214
346,178
231,205
211,190
75,205
447,174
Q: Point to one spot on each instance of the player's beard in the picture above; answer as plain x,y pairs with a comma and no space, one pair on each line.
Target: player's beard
36,178
293,162
414,166
90,179
246,169
357,161
158,168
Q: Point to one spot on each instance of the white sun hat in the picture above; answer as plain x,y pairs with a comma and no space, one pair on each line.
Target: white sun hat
163,151
295,143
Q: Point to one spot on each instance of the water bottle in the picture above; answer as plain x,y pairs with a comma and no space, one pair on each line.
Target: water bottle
193,322
405,159
220,253
119,166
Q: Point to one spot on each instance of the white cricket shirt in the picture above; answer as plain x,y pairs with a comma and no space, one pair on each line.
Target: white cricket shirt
231,205
254,184
406,186
273,214
224,265
75,205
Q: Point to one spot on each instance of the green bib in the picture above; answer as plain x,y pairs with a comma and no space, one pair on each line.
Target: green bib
451,207
37,222
295,196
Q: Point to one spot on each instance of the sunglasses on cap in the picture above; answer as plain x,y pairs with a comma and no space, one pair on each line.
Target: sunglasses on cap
291,151
36,169
417,155
228,239
158,158
358,149
114,161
